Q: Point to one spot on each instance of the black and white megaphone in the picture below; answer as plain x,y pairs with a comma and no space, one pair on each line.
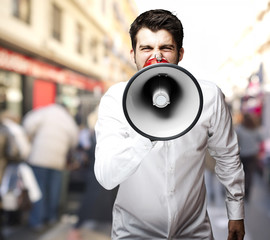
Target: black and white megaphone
162,101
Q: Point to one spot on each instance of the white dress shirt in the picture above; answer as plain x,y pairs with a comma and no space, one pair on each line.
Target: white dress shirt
162,193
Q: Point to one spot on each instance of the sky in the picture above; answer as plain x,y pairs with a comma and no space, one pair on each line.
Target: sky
210,29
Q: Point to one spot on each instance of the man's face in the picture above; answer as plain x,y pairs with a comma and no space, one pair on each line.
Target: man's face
155,44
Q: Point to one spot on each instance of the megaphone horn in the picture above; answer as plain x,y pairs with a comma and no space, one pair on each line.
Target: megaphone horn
162,101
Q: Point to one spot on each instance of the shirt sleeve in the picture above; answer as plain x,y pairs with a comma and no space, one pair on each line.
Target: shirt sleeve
119,150
223,147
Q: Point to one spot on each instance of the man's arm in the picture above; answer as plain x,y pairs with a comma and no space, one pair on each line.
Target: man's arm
236,230
223,147
119,149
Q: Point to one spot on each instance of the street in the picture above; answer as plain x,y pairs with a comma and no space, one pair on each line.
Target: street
257,221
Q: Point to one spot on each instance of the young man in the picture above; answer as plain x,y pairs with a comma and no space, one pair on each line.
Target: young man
162,192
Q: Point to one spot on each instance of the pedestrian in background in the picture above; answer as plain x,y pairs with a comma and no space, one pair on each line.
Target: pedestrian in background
96,203
4,139
13,124
249,137
14,150
215,190
53,132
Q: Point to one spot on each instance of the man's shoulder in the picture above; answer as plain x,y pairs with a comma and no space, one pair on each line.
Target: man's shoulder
118,87
210,89
207,85
115,91
113,95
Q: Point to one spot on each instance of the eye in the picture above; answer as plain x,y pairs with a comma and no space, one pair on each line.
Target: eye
145,48
167,48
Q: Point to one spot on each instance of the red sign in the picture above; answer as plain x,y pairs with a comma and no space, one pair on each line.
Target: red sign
15,62
44,93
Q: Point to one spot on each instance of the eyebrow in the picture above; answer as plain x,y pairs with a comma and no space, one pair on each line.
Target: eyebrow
162,46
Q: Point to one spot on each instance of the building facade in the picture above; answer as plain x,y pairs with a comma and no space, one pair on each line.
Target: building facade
63,50
246,70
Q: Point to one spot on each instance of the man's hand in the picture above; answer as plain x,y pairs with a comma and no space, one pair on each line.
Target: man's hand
236,230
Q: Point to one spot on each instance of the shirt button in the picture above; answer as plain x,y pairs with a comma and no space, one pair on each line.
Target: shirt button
170,170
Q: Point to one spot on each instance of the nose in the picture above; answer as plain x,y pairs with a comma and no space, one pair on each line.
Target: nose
155,58
158,56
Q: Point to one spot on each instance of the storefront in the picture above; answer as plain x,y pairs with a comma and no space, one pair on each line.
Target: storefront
29,83
11,91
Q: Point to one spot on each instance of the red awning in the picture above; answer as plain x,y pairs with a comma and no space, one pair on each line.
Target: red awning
19,63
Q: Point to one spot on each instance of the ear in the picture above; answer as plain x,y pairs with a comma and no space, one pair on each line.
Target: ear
132,56
181,54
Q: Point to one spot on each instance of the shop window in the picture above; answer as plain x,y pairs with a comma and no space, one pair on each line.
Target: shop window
22,10
11,92
69,96
56,22
3,99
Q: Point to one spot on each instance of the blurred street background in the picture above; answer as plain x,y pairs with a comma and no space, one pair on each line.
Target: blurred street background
69,52
257,220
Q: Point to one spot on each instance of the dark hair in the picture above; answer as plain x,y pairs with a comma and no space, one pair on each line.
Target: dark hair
156,20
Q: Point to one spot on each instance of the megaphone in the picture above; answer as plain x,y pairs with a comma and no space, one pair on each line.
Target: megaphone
162,101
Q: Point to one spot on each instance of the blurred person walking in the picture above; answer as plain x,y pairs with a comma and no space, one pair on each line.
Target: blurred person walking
215,190
53,132
13,124
4,142
249,138
15,199
96,203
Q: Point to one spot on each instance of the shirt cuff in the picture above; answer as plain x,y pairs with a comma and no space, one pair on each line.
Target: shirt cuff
235,210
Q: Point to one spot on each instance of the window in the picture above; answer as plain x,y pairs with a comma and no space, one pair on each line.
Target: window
22,10
56,22
116,11
79,38
103,6
107,46
94,50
